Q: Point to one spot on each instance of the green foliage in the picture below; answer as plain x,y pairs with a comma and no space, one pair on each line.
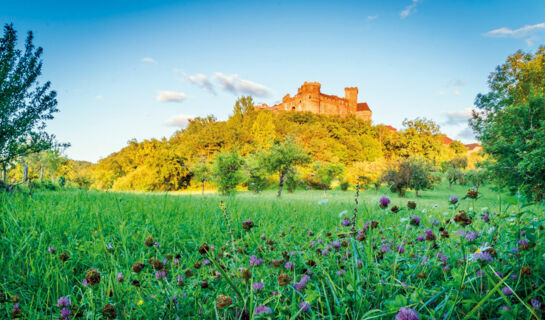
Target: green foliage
25,104
227,170
61,181
283,157
324,173
412,173
510,122
454,175
257,175
475,177
201,173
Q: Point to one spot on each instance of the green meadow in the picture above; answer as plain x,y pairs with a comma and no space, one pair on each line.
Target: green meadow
312,266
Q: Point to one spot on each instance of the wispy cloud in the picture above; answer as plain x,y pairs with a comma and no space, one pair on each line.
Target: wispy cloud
99,97
456,118
234,84
516,33
179,120
410,9
453,86
200,80
371,18
148,60
466,134
170,96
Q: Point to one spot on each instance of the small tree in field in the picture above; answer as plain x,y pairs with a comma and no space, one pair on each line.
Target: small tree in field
325,173
475,177
202,173
283,157
412,173
453,175
256,173
227,171
25,104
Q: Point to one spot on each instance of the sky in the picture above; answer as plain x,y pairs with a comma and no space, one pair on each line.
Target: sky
141,69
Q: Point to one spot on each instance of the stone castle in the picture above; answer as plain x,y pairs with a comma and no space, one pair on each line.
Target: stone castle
310,99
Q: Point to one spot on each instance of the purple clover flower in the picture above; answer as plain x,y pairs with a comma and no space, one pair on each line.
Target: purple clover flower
257,286
453,200
346,222
304,306
506,291
406,314
302,283
471,235
536,304
63,302
160,275
262,309
65,313
289,265
483,257
255,261
384,202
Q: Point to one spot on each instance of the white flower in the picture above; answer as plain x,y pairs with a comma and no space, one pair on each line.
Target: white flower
491,230
484,209
343,213
435,206
403,219
323,201
424,210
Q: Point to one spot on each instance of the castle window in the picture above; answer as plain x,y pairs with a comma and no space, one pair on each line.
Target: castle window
309,97
293,108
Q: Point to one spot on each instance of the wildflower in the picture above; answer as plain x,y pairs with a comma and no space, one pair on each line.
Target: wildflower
395,209
341,272
462,218
304,306
257,286
156,244
471,235
536,304
453,200
109,246
420,237
289,265
415,220
406,314
262,309
244,274
109,312
346,222
180,281
283,279
400,249
149,242
472,193
223,301
255,261
65,313
204,248
206,262
247,225
429,235
411,205
506,291
120,277
63,302
483,257
523,244
384,202
92,276
64,256
51,250
138,266
486,217
160,275
302,283
16,311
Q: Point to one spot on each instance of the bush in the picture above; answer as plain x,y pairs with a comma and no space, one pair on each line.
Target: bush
412,173
227,170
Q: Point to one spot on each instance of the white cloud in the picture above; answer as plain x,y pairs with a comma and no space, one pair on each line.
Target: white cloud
170,96
200,80
452,86
233,83
456,118
410,9
99,97
371,18
179,120
148,60
516,33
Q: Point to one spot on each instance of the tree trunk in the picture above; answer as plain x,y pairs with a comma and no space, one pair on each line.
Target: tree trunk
53,178
41,174
203,188
416,191
25,172
281,184
450,185
325,189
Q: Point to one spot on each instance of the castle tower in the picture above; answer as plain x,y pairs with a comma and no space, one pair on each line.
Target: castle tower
351,95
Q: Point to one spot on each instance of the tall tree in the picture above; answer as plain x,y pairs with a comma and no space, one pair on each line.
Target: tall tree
227,169
201,173
509,120
283,157
25,104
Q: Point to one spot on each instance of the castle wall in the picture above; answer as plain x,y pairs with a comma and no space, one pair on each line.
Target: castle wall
310,99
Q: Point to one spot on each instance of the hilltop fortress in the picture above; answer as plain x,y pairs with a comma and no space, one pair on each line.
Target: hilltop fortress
310,99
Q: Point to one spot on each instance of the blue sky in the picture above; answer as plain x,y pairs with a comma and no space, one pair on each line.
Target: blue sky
139,69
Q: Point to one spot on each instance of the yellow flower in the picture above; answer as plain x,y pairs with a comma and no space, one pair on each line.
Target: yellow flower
140,302
478,250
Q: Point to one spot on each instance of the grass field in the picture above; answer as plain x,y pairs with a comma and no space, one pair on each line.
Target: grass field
433,267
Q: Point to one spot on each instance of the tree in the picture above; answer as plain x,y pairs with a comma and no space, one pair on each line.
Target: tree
509,121
227,169
476,177
284,156
453,175
257,177
201,173
412,173
325,173
25,105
